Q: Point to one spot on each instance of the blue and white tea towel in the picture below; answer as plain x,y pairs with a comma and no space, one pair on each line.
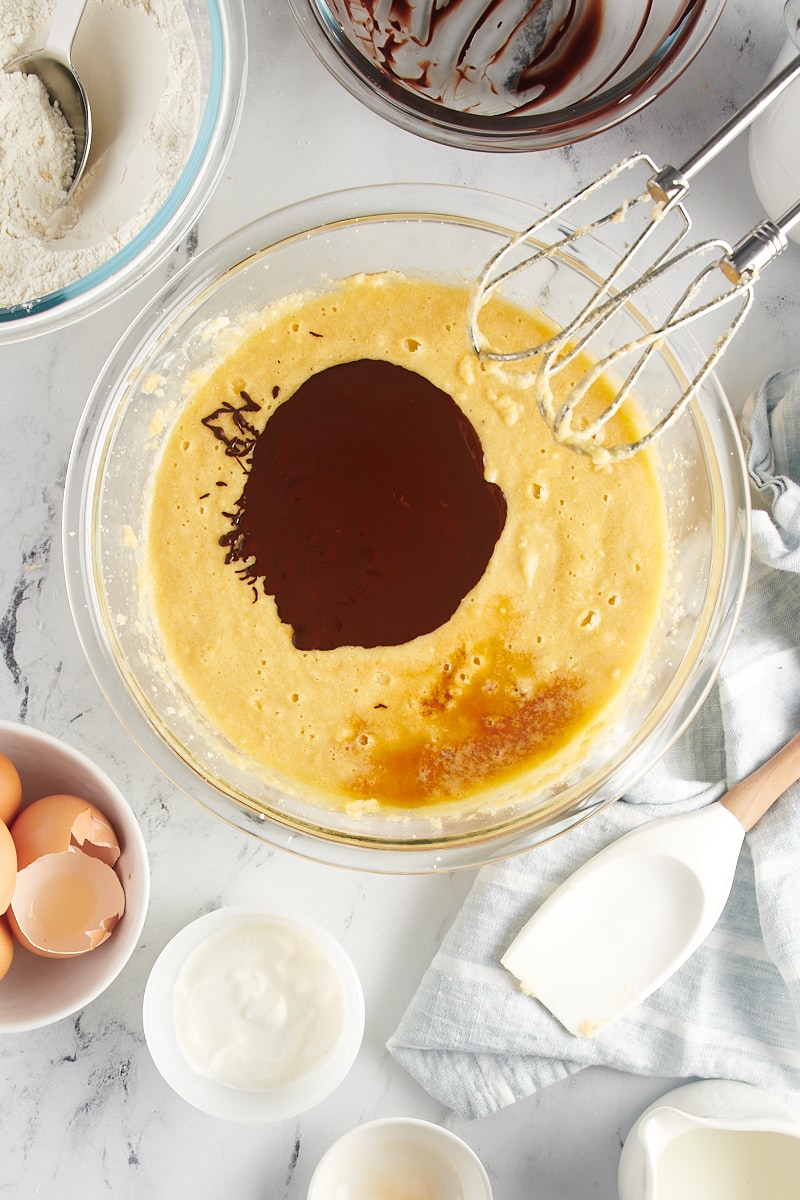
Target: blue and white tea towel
477,1044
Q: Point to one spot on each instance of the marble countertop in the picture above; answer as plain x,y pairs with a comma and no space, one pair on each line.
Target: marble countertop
85,1113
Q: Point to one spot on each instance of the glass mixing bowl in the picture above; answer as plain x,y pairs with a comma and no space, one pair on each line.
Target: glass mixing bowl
218,28
445,233
525,75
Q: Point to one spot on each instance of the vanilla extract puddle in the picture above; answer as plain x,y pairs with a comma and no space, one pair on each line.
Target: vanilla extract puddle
373,570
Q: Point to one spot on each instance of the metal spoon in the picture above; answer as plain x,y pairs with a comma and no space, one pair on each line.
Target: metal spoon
53,65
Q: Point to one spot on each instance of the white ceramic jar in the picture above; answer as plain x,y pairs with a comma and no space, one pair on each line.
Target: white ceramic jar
775,147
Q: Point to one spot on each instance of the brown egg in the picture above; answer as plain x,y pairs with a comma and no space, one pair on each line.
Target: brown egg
6,947
10,790
65,904
8,867
54,823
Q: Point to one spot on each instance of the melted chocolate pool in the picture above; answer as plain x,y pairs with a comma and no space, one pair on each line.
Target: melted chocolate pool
365,513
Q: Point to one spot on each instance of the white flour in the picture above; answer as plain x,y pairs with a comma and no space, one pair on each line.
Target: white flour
138,62
37,153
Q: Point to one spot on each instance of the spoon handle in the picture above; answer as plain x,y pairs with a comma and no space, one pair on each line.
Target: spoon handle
749,799
63,27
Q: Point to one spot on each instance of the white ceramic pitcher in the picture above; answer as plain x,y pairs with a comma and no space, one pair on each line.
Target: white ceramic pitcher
713,1139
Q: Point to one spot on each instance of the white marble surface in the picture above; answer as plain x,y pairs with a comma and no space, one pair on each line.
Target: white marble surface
84,1112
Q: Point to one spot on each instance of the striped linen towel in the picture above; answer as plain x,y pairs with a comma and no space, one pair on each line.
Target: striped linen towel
477,1044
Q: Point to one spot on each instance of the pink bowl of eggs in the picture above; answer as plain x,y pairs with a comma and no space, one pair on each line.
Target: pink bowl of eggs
74,879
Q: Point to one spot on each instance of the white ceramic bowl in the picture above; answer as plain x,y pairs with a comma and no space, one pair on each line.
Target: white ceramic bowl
425,231
233,1103
218,28
418,1156
38,991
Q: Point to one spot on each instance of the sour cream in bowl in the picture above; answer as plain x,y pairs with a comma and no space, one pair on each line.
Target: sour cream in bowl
253,1015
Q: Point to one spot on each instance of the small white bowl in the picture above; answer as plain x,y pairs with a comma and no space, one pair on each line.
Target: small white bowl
433,1160
219,1099
38,991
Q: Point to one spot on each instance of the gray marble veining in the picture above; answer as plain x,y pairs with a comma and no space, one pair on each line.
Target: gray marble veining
84,1111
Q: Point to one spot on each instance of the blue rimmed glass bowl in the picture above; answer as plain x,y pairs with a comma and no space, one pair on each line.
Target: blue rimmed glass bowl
218,28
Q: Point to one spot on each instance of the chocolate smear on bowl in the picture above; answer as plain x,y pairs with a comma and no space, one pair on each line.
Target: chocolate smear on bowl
492,58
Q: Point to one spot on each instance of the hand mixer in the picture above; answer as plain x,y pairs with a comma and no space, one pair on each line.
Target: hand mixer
725,275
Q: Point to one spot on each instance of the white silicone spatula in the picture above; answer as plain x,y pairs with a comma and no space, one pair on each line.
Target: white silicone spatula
629,917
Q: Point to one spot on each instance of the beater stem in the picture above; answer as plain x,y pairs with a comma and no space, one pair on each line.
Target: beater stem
742,120
671,184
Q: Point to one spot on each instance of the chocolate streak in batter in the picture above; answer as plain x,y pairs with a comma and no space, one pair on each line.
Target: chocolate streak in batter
365,512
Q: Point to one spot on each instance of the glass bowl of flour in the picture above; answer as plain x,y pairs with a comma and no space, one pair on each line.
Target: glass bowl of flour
165,82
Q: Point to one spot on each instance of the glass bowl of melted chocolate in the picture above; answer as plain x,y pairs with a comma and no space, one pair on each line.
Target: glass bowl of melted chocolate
335,575
506,74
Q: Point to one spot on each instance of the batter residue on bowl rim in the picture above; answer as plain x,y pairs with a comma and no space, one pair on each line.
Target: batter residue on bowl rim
534,655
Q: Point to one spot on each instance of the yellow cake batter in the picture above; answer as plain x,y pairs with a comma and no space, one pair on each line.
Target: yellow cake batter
532,658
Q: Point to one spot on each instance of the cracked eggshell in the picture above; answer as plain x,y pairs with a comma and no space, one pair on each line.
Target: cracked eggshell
67,898
54,823
65,903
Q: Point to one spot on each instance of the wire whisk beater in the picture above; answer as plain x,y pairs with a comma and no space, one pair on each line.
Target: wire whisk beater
693,280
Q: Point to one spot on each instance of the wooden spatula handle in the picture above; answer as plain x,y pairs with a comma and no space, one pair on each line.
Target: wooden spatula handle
750,799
